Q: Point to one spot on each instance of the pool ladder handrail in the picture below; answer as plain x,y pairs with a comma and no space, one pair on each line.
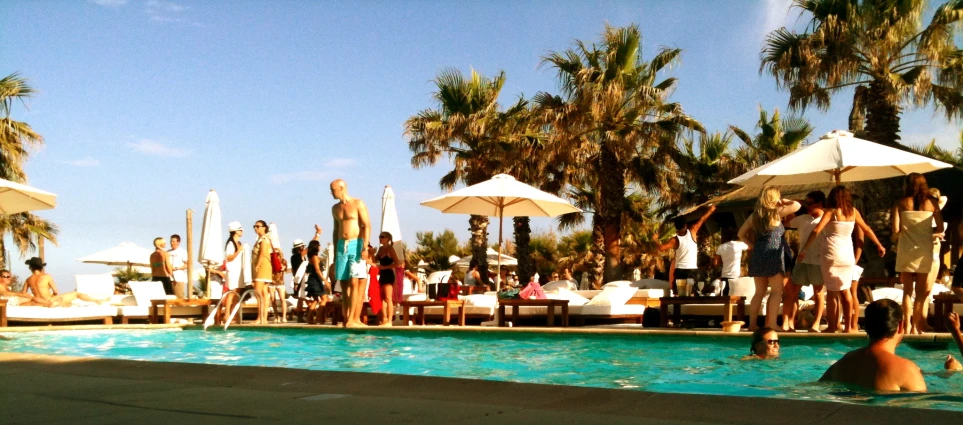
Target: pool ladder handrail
211,318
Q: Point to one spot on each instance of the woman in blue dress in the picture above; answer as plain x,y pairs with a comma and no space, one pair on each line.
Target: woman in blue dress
763,233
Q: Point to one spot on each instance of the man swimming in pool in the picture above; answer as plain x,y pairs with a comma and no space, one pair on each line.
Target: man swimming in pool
952,322
45,291
351,235
876,366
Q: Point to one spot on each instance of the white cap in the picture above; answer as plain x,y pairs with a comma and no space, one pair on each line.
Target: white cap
234,226
298,242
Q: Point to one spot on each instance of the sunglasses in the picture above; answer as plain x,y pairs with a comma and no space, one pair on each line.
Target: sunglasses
772,342
5,277
258,226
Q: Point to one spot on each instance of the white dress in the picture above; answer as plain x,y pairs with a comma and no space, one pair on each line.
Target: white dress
234,275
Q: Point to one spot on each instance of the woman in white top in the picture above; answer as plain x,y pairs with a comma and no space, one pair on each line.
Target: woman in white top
234,279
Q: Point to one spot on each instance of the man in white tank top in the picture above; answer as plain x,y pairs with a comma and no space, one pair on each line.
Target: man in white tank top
686,250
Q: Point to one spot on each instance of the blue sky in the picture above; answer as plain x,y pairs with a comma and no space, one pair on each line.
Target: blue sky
146,105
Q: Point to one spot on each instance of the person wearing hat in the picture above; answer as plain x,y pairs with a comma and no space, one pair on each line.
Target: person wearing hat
45,290
299,254
233,259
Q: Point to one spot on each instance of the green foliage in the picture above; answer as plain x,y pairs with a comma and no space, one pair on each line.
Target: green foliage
122,276
948,156
435,249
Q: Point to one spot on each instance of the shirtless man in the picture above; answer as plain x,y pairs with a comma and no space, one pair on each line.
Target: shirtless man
160,266
877,367
45,291
351,235
14,298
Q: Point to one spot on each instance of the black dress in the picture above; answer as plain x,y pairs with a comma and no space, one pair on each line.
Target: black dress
386,276
315,286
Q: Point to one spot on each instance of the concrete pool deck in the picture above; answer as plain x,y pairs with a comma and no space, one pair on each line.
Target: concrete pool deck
55,389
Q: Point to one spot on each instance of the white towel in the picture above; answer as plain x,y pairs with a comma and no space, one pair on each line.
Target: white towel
246,265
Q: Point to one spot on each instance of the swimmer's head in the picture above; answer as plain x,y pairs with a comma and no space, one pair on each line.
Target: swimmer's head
765,343
883,319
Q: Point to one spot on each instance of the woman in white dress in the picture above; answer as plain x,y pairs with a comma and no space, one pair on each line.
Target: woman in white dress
234,279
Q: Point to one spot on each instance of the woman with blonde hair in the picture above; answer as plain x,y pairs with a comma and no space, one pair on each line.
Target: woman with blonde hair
912,220
763,232
839,258
261,269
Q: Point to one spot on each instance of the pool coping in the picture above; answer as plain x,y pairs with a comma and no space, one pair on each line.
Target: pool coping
186,391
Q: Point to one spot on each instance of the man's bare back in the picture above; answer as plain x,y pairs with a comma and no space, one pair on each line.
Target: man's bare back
45,292
875,368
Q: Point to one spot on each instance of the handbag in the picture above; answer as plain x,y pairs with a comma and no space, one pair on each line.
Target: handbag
276,263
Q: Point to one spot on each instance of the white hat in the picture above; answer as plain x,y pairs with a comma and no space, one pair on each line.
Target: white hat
234,226
298,242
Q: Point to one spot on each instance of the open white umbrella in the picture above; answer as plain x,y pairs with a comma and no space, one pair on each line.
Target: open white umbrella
493,257
18,198
838,157
211,253
126,254
499,197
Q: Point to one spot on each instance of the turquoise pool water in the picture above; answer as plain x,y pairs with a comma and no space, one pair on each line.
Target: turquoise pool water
672,364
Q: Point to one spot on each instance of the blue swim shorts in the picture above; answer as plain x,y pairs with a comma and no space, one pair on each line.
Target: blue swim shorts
347,260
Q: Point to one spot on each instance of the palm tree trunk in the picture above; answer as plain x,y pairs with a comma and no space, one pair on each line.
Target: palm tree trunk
612,179
523,236
596,268
857,115
3,253
882,116
478,225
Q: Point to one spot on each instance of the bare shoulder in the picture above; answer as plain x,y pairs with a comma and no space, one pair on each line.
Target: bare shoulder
358,203
904,203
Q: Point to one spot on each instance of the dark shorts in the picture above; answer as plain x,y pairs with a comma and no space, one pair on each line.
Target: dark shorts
957,278
168,285
686,273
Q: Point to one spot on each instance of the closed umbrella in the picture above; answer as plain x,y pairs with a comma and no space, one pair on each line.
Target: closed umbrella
18,198
126,254
498,197
838,157
390,222
211,254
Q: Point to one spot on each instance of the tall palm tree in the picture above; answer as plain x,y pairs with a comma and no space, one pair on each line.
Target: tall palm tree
16,140
468,129
615,120
879,46
705,167
777,136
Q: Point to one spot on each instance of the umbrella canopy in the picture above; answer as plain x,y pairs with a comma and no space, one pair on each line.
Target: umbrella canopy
274,236
838,157
211,253
18,198
498,197
493,257
125,254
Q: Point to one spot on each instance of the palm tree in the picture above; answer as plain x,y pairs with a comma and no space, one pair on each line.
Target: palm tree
16,139
704,171
948,156
615,121
881,48
471,132
777,136
436,249
575,251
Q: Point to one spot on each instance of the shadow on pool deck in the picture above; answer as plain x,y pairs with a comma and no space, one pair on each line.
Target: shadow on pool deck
55,389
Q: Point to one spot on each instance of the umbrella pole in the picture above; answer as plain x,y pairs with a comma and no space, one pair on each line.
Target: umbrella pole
190,252
498,269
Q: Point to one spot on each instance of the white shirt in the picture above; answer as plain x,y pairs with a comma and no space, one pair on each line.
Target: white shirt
178,259
805,225
687,254
731,253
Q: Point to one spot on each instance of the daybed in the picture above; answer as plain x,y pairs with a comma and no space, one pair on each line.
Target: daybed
99,286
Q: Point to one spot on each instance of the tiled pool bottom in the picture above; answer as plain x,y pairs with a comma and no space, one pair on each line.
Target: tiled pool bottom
670,364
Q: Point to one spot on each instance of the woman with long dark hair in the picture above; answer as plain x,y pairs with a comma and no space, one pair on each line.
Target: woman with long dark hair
234,277
387,260
839,258
912,221
317,287
261,269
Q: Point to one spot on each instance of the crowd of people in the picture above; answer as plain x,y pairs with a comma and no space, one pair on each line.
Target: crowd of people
831,235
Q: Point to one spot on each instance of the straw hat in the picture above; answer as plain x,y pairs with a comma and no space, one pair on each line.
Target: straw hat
234,226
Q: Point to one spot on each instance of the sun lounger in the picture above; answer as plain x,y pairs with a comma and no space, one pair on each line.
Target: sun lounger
144,294
477,306
98,286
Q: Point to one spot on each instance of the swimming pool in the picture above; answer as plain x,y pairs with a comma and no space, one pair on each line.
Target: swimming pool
674,364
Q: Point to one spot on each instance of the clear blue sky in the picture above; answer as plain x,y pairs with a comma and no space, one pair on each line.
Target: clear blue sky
146,105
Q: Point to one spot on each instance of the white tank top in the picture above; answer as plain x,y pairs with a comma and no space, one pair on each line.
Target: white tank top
687,254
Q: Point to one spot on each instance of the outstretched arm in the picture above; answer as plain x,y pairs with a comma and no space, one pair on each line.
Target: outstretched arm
869,232
671,244
698,224
317,233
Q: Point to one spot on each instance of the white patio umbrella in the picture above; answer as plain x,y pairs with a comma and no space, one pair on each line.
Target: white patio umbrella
838,157
126,254
498,197
493,257
18,198
390,222
211,253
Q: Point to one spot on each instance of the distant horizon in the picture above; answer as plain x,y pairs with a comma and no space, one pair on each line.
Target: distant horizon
147,105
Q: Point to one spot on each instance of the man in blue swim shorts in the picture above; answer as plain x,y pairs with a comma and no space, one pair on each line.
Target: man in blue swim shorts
351,235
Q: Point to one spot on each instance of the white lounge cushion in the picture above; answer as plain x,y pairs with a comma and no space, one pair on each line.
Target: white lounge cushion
123,300
607,310
144,311
888,293
38,313
652,284
613,296
145,292
590,293
742,287
480,300
572,297
560,284
617,284
95,285
650,293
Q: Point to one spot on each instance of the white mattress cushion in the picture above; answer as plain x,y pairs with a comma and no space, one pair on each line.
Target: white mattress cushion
888,293
480,300
560,284
618,284
607,310
572,297
145,292
95,285
60,313
144,311
613,296
650,293
742,287
122,300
